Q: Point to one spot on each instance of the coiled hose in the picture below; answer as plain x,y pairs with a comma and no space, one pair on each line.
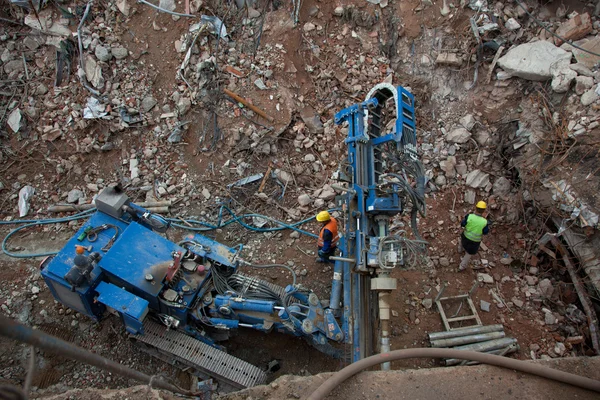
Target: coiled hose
37,222
504,362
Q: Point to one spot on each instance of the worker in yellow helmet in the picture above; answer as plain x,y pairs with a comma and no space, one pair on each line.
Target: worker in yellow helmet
328,236
474,227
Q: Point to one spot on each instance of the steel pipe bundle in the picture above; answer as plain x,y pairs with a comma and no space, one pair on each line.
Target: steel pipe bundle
488,339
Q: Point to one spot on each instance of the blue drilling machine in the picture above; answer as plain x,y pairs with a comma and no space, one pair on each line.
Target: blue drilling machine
177,300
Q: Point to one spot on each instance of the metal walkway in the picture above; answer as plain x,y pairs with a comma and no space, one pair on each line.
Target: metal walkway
207,359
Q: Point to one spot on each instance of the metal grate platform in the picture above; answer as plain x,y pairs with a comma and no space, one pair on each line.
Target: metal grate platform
201,356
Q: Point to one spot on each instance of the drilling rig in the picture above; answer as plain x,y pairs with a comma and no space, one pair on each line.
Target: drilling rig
179,301
381,175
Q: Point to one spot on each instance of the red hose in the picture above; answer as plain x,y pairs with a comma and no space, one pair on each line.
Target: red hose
517,365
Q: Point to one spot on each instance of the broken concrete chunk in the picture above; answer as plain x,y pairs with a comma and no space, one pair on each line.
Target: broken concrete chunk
531,280
45,24
283,176
304,199
25,194
512,24
74,196
485,278
585,58
120,53
309,158
589,97
470,196
484,305
451,59
206,193
458,135
168,5
501,187
31,42
260,84
14,120
148,103
468,122
309,26
93,72
562,78
550,319
517,302
327,193
581,70
575,28
532,61
545,288
14,65
477,179
134,170
183,105
427,303
124,7
253,13
583,84
102,53
448,166
312,121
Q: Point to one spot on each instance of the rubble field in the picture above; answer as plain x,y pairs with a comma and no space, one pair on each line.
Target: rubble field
508,111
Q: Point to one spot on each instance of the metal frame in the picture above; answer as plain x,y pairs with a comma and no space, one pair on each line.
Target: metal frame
447,321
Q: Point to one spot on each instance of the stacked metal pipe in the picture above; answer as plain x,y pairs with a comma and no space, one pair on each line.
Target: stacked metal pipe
489,339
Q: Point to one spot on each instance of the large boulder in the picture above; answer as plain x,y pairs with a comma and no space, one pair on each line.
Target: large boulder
532,61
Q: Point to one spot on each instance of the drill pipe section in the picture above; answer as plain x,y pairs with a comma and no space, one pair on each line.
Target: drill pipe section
457,341
24,334
500,352
465,332
490,345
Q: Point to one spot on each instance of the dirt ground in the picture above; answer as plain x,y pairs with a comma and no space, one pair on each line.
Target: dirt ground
153,55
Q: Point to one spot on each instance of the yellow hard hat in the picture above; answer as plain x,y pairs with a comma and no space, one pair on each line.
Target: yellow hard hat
323,216
481,204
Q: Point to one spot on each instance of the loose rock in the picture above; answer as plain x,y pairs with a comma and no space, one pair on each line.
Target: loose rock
458,135
532,61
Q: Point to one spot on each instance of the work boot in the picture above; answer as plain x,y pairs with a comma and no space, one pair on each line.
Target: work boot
461,268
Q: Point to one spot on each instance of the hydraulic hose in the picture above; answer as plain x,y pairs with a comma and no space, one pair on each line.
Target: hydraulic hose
36,222
504,362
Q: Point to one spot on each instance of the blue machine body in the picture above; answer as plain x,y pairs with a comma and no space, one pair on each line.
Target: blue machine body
132,271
